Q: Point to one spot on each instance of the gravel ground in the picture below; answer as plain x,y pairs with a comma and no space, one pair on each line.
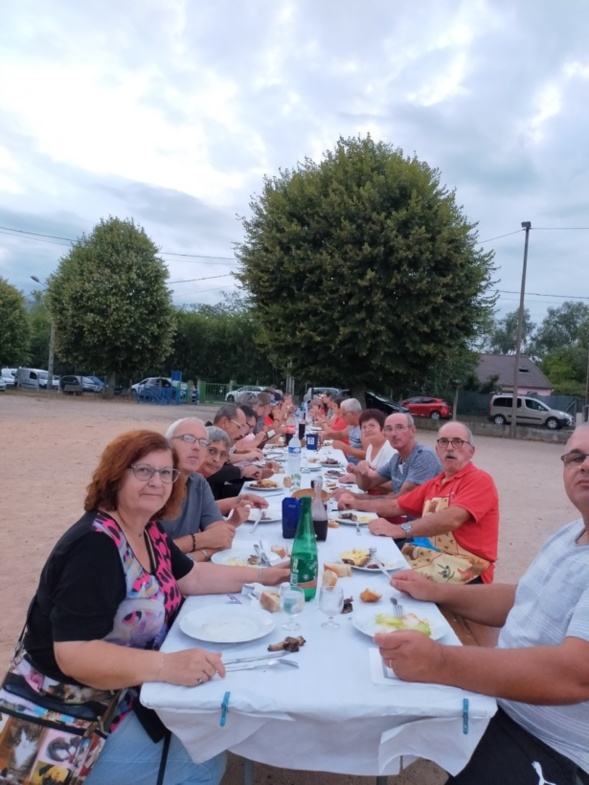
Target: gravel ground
51,444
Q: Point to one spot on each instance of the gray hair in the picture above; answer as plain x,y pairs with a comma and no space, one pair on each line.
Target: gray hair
408,418
351,405
469,434
175,425
228,410
218,435
248,398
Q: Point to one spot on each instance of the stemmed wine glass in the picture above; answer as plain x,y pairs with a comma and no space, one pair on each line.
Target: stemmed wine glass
292,602
331,602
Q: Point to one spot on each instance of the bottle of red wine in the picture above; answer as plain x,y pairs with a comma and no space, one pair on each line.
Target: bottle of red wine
319,511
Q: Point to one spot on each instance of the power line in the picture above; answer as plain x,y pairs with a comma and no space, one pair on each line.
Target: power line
500,236
192,280
545,294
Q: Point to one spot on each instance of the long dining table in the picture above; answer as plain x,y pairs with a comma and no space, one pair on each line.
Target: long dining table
341,710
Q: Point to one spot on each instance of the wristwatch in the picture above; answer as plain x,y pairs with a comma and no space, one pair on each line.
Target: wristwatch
406,528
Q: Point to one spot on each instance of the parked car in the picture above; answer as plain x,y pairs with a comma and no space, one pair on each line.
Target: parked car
2,384
76,385
383,404
335,392
8,375
147,388
34,379
530,411
233,395
425,406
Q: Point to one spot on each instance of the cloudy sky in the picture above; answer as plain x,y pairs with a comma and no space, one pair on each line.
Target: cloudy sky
171,111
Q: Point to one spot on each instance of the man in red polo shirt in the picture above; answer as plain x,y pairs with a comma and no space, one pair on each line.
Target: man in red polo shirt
459,507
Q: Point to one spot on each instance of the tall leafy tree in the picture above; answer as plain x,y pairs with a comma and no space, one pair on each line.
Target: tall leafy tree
14,326
566,325
503,334
362,269
110,303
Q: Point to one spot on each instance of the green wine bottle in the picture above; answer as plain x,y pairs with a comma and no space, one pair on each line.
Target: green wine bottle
303,561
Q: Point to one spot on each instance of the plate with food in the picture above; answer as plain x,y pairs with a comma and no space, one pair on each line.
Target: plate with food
371,622
352,517
360,559
227,623
241,557
266,517
329,462
265,486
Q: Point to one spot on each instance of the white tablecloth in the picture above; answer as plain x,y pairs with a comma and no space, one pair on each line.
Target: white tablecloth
329,715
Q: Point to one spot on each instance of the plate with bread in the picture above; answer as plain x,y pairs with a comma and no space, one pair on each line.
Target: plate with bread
371,621
227,623
360,559
353,517
266,517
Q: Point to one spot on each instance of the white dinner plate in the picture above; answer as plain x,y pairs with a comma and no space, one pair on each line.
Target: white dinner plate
363,518
331,465
253,486
273,518
237,557
227,623
386,563
365,621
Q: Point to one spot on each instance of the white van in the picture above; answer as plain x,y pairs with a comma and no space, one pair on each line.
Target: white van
530,411
33,379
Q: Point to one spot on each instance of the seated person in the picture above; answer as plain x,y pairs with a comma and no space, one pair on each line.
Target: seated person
378,450
539,671
350,442
458,509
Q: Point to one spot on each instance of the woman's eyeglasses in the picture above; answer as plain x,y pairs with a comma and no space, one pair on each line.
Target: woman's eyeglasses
144,472
214,453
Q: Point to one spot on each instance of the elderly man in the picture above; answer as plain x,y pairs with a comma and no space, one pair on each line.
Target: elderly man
411,466
350,409
231,419
458,510
539,671
200,529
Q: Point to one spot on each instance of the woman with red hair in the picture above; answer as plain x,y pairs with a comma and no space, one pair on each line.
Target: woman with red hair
107,596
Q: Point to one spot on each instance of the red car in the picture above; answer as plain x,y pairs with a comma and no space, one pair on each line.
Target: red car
424,406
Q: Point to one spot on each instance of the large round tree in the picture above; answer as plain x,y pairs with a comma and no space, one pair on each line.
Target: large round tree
14,325
363,270
110,303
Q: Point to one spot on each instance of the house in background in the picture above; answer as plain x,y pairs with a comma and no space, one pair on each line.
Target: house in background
531,380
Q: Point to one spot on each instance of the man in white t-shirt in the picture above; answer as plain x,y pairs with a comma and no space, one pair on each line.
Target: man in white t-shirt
539,671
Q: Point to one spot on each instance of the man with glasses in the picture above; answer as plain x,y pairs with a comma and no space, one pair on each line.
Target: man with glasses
231,419
539,671
200,528
410,466
457,511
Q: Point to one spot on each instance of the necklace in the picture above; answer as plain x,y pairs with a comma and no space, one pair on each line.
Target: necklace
126,527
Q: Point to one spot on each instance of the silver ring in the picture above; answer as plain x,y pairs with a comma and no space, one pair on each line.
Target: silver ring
199,680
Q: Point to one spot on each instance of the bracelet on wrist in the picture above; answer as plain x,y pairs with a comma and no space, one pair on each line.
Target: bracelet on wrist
205,554
193,541
260,575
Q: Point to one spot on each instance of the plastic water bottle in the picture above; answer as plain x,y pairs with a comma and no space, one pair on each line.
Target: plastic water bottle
293,467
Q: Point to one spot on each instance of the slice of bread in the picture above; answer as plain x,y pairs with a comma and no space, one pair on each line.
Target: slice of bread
329,578
340,569
270,601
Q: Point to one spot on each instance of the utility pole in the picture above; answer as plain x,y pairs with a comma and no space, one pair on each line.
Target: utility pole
50,361
520,329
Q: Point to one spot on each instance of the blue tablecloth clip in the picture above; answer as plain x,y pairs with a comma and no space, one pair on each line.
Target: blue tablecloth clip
224,709
465,716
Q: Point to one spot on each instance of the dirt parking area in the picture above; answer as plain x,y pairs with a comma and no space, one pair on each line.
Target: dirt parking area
51,444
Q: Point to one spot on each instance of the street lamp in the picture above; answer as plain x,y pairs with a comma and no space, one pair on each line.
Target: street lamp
51,345
520,328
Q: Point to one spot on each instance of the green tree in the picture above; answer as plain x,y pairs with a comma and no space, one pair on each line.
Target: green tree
218,343
362,269
110,303
502,336
566,325
14,326
566,367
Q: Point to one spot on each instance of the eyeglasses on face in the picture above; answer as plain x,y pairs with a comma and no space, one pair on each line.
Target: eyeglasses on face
144,472
396,428
456,442
574,458
240,425
190,439
214,453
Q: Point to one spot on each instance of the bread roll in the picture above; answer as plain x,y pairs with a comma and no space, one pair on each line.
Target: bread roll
340,569
270,601
329,578
370,596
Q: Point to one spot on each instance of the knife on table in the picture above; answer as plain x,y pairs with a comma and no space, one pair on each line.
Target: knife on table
268,656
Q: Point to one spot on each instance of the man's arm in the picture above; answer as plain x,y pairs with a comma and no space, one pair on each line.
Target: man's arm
354,452
382,506
544,675
428,526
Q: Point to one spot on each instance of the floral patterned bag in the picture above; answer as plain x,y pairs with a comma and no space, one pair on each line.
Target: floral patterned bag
50,731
